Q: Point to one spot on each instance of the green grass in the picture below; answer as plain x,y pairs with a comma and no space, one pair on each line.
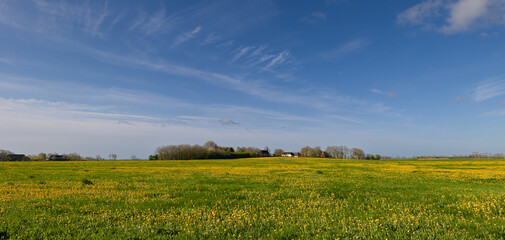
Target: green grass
269,198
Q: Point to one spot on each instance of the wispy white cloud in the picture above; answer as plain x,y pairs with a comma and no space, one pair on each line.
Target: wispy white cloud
277,60
258,51
224,17
113,101
186,36
420,14
74,111
346,48
111,97
258,56
264,58
325,102
223,80
257,87
352,46
210,39
241,51
56,18
156,23
89,17
387,94
451,17
489,89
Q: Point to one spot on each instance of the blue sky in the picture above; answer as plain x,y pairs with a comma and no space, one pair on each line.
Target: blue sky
398,78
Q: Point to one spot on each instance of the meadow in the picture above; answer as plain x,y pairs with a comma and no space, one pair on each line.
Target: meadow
259,198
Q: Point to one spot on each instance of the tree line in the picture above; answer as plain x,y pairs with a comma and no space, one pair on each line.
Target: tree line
209,150
339,152
6,155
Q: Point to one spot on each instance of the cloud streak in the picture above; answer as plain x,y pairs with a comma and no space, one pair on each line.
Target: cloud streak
420,14
489,89
346,48
320,101
241,52
56,17
387,94
276,60
156,23
112,103
186,36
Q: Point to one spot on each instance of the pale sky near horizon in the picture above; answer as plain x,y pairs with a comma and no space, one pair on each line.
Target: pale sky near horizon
398,78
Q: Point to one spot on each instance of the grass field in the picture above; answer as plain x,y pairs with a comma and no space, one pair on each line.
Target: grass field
269,198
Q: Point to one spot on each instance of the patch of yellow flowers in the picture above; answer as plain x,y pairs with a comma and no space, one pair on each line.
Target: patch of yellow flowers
255,198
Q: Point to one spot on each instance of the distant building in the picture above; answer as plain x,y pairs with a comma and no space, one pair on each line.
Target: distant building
264,153
291,154
288,154
15,157
325,155
57,158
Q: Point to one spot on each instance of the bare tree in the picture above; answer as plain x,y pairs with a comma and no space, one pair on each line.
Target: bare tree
310,152
4,154
113,156
333,151
316,152
306,151
342,152
278,152
357,153
74,157
211,145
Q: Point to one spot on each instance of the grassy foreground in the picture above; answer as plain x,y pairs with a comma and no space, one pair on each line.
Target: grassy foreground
270,198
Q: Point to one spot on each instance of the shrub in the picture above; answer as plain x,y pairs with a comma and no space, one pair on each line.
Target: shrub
86,182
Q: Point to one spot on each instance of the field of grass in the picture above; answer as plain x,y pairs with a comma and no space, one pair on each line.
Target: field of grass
268,198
